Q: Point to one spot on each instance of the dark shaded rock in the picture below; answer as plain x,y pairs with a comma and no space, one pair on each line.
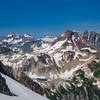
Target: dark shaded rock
4,50
6,70
3,86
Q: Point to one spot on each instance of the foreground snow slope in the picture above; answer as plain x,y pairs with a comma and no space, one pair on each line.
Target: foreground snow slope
21,91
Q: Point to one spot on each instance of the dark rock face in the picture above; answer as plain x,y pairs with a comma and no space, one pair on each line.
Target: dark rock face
70,36
3,86
4,50
71,56
91,38
6,70
26,47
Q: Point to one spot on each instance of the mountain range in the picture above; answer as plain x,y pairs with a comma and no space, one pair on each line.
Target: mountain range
60,68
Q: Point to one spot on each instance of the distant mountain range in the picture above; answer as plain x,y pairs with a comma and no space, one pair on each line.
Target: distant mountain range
61,68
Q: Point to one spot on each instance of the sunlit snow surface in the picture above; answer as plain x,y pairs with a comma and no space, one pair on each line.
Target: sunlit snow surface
21,91
88,48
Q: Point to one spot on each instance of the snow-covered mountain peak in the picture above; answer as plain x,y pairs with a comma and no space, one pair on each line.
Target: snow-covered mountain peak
66,35
9,35
48,38
12,39
27,36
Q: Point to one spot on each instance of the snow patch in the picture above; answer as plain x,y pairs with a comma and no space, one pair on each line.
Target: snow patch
91,50
48,39
9,35
27,36
35,76
57,58
9,40
17,41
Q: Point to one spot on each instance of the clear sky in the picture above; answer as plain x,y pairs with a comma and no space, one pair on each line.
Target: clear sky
48,16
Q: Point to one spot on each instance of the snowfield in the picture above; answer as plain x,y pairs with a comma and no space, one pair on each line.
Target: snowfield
22,92
48,39
91,50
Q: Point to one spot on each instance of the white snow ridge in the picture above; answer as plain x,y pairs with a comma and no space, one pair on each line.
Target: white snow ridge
22,92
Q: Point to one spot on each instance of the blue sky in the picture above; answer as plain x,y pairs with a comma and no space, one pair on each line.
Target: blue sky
43,17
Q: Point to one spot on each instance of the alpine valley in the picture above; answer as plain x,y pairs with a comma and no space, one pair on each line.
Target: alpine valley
50,68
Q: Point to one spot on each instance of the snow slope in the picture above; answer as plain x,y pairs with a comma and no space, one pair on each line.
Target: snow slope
22,92
48,39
